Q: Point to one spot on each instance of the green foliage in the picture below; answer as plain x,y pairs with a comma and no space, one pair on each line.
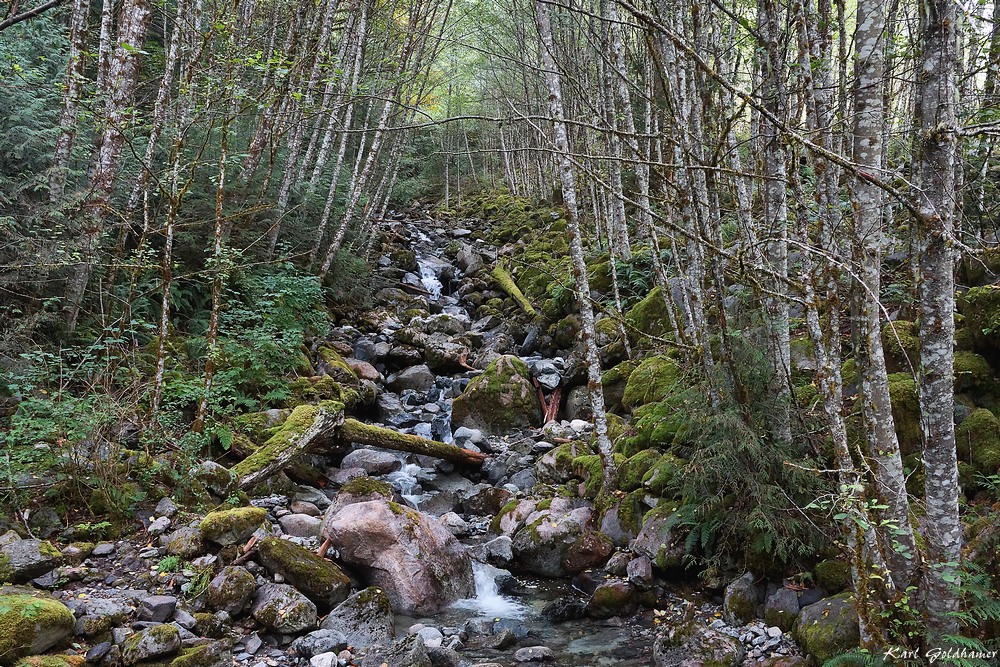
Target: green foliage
169,564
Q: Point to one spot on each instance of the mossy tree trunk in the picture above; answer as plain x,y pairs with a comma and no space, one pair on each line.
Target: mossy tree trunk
385,438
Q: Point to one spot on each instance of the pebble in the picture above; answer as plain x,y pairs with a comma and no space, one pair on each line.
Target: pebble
534,654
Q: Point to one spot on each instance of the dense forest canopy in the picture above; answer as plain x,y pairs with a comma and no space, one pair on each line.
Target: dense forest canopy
794,203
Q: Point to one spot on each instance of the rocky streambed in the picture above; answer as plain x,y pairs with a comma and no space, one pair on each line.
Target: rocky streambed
424,564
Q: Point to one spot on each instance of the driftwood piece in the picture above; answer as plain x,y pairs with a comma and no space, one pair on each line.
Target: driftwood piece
386,438
508,285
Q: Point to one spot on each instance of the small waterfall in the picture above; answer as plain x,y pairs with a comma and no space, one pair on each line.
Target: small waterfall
488,601
429,279
405,481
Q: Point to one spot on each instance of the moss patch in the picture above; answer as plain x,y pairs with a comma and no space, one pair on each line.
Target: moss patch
633,470
978,441
973,373
833,575
367,486
901,346
500,399
31,624
905,411
652,381
52,661
648,317
232,526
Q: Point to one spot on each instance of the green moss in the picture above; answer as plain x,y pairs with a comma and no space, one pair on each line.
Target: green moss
210,625
652,381
24,617
319,579
849,372
589,468
504,511
972,373
905,411
977,440
630,511
322,388
665,476
981,308
52,661
649,317
633,470
367,486
833,575
901,346
965,339
231,526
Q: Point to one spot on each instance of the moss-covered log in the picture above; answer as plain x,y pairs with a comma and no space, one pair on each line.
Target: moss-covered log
506,282
307,426
385,438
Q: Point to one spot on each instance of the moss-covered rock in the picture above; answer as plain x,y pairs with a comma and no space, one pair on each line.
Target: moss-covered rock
499,400
905,412
833,575
693,643
319,579
368,487
613,598
981,308
31,623
665,476
742,600
648,317
151,643
901,346
333,365
232,526
973,373
977,439
231,590
652,381
828,628
216,654
633,470
307,390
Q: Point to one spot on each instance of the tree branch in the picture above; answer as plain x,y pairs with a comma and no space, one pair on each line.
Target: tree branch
31,13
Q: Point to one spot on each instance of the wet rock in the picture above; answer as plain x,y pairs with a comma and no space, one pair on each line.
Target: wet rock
556,542
304,507
431,636
498,551
31,623
320,641
154,642
464,436
23,560
97,652
281,608
300,525
391,411
694,644
322,581
743,596
455,524
640,572
233,526
501,640
215,477
617,565
407,651
524,480
468,260
565,609
534,654
418,378
45,522
499,400
372,461
364,618
419,564
613,598
827,628
485,500
157,608
184,542
781,608
308,494
231,589
328,659
442,656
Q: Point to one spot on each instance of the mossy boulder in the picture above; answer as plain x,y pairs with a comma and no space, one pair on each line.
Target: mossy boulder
281,608
151,643
23,560
333,365
901,345
31,623
828,628
743,598
905,412
981,308
364,619
833,575
632,471
977,439
614,597
499,400
665,476
319,579
973,373
648,317
614,381
306,390
231,590
232,526
216,654
652,381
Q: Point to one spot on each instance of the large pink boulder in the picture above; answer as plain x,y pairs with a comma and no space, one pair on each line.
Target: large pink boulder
419,564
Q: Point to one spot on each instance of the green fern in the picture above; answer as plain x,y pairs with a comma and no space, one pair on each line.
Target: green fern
856,658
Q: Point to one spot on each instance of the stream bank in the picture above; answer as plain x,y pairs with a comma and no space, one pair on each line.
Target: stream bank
520,564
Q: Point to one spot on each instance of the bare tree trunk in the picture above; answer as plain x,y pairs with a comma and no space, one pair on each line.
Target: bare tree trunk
937,122
567,177
122,77
71,101
867,202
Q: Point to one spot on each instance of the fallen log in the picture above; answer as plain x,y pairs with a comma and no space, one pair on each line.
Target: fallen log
508,285
323,428
386,438
308,426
